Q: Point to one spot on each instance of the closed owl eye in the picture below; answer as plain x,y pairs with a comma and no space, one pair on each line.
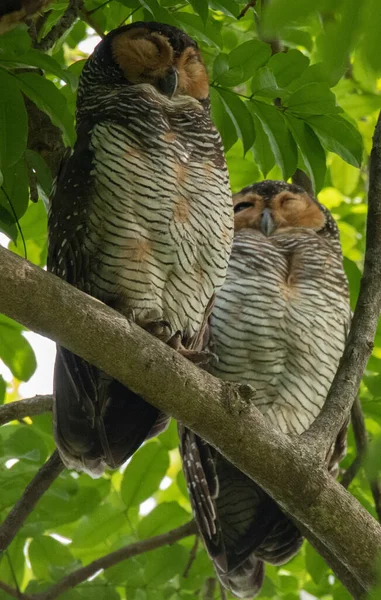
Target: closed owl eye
242,206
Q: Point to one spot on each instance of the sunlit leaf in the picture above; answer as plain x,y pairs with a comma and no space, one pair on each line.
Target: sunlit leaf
280,139
15,350
144,473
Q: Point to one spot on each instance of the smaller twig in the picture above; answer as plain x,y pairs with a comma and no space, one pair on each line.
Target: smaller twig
19,409
105,562
209,588
25,505
65,22
13,592
192,556
361,441
250,4
93,10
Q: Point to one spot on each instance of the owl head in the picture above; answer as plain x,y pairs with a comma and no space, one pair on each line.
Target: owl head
270,206
151,53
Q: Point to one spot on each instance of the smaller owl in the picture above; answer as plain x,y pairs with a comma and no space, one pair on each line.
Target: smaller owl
279,324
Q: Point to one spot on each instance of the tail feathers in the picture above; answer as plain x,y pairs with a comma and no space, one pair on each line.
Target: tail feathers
282,543
246,580
240,524
97,421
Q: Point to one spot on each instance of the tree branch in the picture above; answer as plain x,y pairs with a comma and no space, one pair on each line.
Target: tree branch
359,346
25,505
19,409
65,22
105,562
286,467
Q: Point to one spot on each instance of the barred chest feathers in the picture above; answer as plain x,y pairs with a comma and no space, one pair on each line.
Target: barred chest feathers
280,321
163,261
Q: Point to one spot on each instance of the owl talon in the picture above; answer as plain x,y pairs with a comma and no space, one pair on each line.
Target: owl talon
160,329
130,315
201,358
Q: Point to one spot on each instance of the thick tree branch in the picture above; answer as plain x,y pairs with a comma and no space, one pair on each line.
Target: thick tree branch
287,468
25,505
359,346
25,408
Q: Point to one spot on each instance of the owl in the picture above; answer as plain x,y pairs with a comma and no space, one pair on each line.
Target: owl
279,324
142,220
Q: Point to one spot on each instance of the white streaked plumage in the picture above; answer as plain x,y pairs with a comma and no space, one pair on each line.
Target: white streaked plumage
283,336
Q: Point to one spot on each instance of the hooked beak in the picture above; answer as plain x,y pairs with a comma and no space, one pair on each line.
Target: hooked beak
267,224
168,84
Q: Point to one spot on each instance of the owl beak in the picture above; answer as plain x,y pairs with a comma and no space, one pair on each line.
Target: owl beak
267,224
168,84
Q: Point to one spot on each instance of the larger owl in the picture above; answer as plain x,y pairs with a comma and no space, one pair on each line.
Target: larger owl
142,220
279,324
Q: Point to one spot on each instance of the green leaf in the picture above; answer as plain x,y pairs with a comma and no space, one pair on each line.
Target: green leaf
13,121
339,136
201,7
41,169
312,99
98,527
14,193
344,177
15,350
169,438
340,37
158,12
280,13
164,564
34,227
16,41
35,58
12,563
50,559
222,120
228,7
316,565
50,100
25,444
244,61
144,473
240,116
288,66
310,150
243,171
220,65
263,153
162,518
264,84
281,142
370,43
209,33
